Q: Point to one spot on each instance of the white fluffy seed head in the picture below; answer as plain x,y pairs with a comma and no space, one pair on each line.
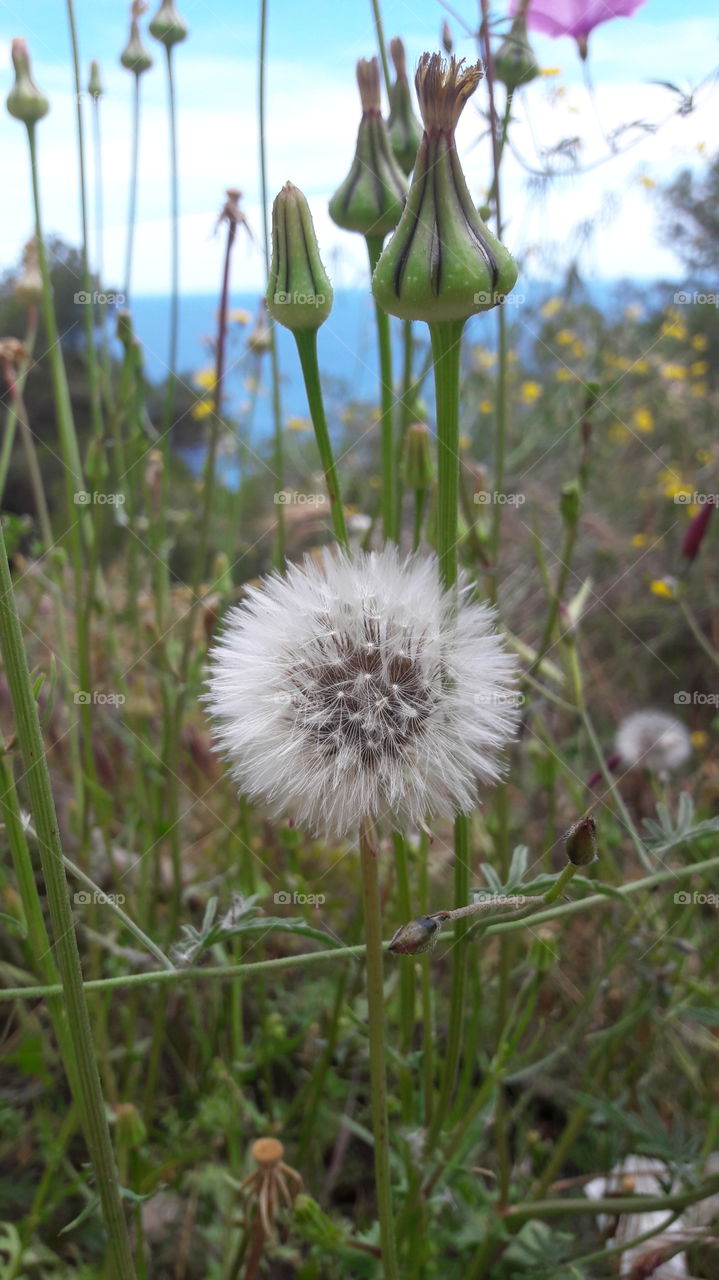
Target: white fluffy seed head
653,739
360,687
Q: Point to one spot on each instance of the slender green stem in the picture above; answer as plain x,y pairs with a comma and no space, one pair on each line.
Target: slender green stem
381,44
446,337
378,1073
93,370
174,251
132,214
10,416
278,444
83,1067
406,978
306,340
390,476
565,560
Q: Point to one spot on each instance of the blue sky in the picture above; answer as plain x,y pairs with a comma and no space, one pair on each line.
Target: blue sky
312,118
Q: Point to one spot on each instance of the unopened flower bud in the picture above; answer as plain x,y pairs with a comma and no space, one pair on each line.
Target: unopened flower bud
417,937
259,339
28,288
442,263
580,842
447,37
569,503
514,62
417,468
94,84
403,127
694,535
131,1129
167,26
371,197
25,101
135,56
299,294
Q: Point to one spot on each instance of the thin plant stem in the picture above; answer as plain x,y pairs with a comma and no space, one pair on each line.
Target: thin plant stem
376,1027
132,214
82,1068
306,340
174,249
278,443
381,44
390,478
10,416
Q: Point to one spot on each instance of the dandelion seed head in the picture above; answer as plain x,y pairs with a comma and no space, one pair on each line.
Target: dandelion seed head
357,687
653,739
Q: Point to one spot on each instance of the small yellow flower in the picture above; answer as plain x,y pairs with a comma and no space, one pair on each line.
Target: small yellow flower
205,378
529,392
623,363
578,349
699,389
633,312
700,342
640,540
648,183
674,372
699,368
693,510
673,329
640,366
239,317
464,442
299,424
643,419
202,409
565,337
486,406
663,588
619,432
564,375
550,308
484,359
675,489
700,739
550,71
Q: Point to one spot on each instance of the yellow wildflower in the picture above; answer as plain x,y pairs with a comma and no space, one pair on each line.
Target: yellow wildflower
550,71
299,424
484,359
202,409
640,540
643,419
205,378
239,317
565,337
699,368
578,349
486,406
633,312
550,308
663,588
529,392
677,489
700,739
699,389
619,432
648,183
675,372
673,329
464,442
640,366
564,375
700,342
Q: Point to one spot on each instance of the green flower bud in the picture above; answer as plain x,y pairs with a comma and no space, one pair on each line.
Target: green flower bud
135,56
569,502
371,197
417,469
25,101
442,263
131,1130
580,842
94,84
403,127
415,938
167,26
299,294
514,61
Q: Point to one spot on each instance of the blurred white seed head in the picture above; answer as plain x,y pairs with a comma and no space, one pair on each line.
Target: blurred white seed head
653,739
360,687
